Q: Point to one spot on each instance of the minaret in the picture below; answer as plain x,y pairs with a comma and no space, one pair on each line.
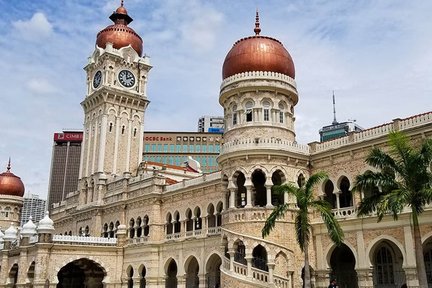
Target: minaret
114,106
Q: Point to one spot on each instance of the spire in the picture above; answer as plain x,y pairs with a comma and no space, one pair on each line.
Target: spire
334,110
121,3
8,166
257,29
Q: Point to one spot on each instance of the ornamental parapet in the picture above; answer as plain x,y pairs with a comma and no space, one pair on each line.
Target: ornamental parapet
193,182
258,75
373,133
264,143
83,240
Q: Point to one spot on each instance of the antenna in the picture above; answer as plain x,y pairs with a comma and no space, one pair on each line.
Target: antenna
334,110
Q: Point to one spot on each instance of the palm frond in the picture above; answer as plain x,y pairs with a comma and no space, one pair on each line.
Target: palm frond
335,231
314,180
277,213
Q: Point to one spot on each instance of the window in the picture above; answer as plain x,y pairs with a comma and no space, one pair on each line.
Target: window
153,147
234,118
171,147
165,147
159,147
249,112
146,147
185,149
281,116
266,115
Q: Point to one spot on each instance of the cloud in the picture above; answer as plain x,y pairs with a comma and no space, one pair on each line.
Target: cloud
38,27
40,86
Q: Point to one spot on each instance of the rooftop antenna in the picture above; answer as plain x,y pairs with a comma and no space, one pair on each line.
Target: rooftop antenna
334,111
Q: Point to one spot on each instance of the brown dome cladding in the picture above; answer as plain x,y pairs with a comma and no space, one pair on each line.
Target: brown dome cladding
258,53
119,34
11,184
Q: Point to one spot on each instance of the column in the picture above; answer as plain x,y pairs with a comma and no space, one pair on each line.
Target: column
337,199
231,252
365,277
101,157
128,150
248,258
248,196
232,197
95,129
141,142
271,268
116,144
268,196
89,127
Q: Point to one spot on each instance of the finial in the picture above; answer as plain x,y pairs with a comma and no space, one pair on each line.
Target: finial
257,29
121,3
9,166
334,110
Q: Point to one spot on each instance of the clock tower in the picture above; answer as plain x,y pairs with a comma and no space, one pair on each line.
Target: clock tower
114,106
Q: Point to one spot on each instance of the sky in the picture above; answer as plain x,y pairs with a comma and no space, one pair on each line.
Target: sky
376,55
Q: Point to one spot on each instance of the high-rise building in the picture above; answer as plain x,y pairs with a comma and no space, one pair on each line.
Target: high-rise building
33,206
65,165
174,148
212,124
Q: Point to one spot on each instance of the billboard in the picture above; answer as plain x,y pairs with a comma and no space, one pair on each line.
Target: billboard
68,137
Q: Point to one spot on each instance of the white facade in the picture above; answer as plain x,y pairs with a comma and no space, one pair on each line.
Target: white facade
33,206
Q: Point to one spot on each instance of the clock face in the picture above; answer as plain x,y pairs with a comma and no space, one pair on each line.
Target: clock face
126,78
97,79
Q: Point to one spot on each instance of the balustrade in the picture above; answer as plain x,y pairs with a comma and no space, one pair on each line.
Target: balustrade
83,240
347,212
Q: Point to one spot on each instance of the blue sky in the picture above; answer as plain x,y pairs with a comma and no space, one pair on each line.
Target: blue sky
376,55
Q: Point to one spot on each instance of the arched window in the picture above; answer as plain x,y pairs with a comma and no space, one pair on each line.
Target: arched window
131,228
169,226
198,219
241,190
130,279
259,259
249,111
234,115
328,193
266,111
105,231
258,180
301,180
138,227
219,208
111,230
146,226
384,266
177,224
211,218
345,198
240,252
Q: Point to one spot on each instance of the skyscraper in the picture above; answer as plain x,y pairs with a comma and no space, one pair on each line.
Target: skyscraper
65,164
33,206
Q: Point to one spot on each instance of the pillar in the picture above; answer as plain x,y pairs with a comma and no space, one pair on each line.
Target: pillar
248,196
232,197
271,268
365,277
248,259
268,196
231,252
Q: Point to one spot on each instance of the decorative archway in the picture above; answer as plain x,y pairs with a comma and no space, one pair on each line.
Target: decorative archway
258,180
342,263
81,273
213,271
387,265
13,275
171,275
192,268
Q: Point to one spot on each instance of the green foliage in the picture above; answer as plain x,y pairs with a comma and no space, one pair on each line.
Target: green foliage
306,203
403,178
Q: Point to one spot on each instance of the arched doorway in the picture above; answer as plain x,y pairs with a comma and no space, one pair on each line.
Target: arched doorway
192,268
171,273
277,178
387,262
342,263
30,274
13,275
81,273
258,180
213,271
143,272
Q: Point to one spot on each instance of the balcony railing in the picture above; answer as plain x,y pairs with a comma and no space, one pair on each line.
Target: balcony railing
347,212
83,240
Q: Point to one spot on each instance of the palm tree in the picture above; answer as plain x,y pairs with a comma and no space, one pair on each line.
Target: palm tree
403,179
306,203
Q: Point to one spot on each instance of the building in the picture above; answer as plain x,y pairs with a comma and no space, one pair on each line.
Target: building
338,130
65,163
212,124
174,148
33,207
142,229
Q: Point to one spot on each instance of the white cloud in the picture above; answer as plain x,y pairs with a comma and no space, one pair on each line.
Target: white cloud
40,86
38,27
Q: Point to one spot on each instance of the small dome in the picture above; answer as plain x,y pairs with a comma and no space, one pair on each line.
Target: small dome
28,229
10,184
46,225
10,233
119,34
258,53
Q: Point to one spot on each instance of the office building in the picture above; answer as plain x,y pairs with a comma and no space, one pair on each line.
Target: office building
212,124
32,206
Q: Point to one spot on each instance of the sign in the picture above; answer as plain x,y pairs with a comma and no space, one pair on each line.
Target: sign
157,138
68,137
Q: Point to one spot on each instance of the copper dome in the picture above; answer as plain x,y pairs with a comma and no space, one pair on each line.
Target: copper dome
119,34
258,53
10,184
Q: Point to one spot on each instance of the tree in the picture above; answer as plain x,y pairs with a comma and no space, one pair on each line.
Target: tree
403,178
306,203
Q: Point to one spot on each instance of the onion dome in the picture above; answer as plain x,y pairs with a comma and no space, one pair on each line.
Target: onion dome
10,184
10,233
46,225
28,229
258,53
119,34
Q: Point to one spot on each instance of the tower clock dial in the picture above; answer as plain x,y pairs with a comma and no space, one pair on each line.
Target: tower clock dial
97,79
126,78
